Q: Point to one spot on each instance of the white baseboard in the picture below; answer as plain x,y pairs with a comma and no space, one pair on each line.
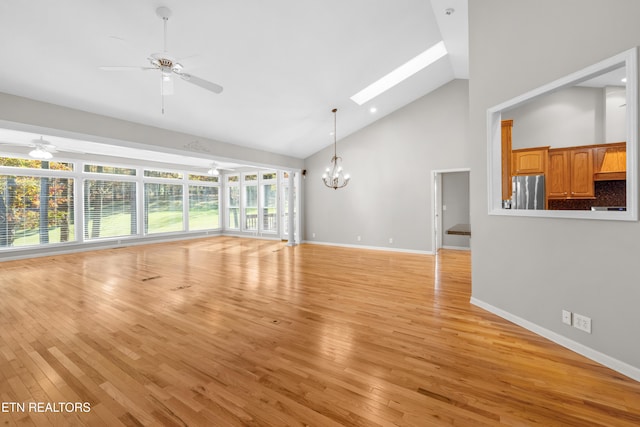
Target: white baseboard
109,243
375,248
608,361
457,248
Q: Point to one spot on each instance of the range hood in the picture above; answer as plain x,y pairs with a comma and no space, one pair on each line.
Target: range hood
610,162
610,176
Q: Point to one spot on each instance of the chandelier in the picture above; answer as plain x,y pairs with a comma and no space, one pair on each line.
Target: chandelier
334,176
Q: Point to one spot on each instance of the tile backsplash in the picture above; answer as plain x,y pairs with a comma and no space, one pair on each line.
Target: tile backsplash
608,193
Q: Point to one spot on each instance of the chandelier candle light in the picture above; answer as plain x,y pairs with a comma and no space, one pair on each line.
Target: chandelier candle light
334,176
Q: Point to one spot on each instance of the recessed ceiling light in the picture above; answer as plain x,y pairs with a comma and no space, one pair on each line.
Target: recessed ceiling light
373,110
624,80
401,73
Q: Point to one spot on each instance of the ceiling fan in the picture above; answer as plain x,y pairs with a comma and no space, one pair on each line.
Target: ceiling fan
168,66
42,149
216,169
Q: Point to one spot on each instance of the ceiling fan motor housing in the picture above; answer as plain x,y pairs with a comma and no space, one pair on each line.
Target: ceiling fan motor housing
165,63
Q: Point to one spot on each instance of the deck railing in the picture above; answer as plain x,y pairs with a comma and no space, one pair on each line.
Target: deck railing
269,222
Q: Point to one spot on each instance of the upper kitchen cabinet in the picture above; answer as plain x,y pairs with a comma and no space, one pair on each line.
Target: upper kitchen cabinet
581,173
570,174
558,178
530,161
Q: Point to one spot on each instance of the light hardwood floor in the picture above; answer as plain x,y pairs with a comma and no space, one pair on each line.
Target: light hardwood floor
227,331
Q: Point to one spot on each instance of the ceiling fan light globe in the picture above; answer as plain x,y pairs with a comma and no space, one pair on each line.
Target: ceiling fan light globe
40,153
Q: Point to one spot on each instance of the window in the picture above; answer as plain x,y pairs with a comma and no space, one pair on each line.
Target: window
109,209
203,178
109,169
35,210
38,205
233,203
163,208
162,174
35,164
269,202
203,207
250,189
251,207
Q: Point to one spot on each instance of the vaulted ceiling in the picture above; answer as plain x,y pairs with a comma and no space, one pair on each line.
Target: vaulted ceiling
284,64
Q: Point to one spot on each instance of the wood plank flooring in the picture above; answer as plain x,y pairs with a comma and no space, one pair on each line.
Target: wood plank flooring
241,332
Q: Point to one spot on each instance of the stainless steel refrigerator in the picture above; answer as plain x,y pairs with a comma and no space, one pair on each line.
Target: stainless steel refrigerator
528,192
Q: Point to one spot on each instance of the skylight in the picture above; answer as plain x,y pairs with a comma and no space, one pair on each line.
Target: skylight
401,73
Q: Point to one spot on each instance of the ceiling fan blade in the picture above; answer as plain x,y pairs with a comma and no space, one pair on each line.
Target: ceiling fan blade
205,84
125,68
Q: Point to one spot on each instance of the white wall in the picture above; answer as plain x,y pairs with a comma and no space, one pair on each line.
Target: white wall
532,268
15,109
570,117
615,114
390,163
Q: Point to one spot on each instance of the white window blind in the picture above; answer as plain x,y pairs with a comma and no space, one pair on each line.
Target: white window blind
163,208
110,209
203,207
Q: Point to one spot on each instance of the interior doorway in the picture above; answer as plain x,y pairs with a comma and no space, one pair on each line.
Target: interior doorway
451,209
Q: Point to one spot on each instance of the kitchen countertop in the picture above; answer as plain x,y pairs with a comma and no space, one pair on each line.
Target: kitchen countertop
460,229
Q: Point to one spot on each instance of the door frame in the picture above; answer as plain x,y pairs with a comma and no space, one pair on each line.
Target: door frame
436,223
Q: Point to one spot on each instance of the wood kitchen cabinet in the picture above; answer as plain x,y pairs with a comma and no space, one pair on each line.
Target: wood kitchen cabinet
570,173
529,161
558,180
581,173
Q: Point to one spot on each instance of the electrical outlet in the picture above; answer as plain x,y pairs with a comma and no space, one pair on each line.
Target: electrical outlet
566,317
582,322
359,238
313,235
390,239
444,207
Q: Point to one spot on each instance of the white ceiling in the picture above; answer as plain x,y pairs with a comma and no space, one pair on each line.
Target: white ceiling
284,64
